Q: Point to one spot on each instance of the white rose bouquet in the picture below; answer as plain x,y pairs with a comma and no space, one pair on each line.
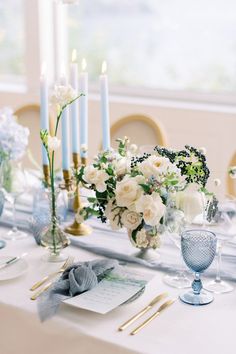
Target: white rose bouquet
134,191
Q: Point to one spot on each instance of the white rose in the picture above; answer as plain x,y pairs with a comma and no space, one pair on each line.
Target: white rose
141,239
191,202
53,142
97,177
156,166
63,95
152,208
120,166
127,192
131,220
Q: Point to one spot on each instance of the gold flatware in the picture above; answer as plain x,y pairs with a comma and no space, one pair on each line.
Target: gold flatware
142,312
157,313
40,291
52,275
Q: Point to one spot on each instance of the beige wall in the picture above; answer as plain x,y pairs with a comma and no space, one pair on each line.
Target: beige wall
213,127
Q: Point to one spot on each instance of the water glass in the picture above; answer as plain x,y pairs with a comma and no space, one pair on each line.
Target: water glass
198,250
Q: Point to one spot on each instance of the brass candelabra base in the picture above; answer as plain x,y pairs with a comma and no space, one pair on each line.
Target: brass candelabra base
76,229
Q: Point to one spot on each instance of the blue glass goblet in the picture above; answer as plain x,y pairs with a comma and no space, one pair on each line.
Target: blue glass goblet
198,250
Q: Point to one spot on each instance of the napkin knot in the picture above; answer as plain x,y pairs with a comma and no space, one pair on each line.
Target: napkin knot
75,280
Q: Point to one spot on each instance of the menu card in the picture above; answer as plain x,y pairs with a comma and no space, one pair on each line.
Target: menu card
116,288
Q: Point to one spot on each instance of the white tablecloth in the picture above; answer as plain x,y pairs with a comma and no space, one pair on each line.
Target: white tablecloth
180,329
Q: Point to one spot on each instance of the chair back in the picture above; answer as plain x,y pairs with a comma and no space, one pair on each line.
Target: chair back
141,130
29,116
231,183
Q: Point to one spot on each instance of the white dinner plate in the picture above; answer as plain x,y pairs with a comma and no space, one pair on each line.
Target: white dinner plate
13,270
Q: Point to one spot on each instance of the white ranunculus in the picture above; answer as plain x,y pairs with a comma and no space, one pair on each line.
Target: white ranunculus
93,175
152,208
141,239
53,142
63,95
156,166
127,192
131,220
191,202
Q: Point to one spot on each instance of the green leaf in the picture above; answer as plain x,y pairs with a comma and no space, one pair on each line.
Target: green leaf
146,187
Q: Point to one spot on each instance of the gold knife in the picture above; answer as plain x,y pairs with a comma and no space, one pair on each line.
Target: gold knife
157,313
142,312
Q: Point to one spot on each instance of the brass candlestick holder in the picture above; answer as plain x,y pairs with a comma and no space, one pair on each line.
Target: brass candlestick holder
78,229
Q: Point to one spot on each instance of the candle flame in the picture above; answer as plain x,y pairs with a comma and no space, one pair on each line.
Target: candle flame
104,67
43,69
74,56
84,64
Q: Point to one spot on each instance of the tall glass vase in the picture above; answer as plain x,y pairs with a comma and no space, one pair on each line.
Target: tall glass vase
53,237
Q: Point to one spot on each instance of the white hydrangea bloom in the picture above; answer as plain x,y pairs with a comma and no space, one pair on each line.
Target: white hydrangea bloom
13,136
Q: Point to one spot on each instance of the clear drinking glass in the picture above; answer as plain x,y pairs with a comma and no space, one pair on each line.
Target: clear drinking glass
177,279
13,183
223,227
198,250
174,223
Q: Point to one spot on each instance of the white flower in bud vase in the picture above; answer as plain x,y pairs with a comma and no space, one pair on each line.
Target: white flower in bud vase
83,148
131,220
152,208
127,192
63,95
203,150
232,172
141,239
97,177
217,182
53,143
191,202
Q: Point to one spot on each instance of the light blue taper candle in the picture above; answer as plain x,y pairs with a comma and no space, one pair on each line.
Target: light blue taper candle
83,109
105,108
44,116
74,109
65,135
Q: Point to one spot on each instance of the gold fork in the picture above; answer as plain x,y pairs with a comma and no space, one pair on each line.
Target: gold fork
51,275
47,286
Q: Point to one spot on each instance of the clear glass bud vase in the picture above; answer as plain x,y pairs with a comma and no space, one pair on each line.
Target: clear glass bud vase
53,237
